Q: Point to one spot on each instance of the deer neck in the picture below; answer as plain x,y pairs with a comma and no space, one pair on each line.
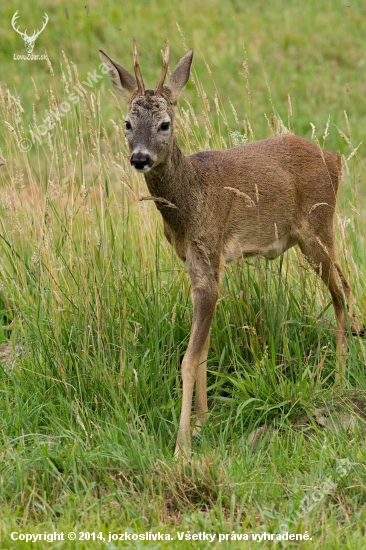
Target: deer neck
169,181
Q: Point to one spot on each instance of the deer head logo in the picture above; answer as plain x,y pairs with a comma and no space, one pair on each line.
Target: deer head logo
28,40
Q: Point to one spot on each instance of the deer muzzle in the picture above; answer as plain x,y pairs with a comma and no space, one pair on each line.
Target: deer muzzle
141,161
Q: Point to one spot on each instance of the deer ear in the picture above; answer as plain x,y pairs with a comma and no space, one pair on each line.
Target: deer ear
179,77
123,82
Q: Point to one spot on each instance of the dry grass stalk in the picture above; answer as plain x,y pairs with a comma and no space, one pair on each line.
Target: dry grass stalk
316,206
250,202
158,199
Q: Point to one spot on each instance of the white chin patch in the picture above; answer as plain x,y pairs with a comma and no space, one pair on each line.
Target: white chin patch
142,170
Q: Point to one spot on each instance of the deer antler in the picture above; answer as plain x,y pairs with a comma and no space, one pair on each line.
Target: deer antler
13,23
24,34
164,70
140,82
37,33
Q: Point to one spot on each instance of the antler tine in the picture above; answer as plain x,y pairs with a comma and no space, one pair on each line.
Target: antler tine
14,21
38,32
14,18
139,80
46,19
164,70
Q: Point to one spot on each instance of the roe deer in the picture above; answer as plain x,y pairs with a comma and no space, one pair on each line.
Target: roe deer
256,199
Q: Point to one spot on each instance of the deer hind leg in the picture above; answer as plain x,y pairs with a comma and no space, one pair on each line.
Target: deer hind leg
357,327
322,257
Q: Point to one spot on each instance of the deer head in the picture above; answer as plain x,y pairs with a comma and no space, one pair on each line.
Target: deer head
150,120
28,40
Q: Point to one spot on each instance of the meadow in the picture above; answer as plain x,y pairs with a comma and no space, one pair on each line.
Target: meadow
95,308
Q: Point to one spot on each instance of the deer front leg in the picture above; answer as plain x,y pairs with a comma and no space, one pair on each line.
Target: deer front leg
204,297
200,399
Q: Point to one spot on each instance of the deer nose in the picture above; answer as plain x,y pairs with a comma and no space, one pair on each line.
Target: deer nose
141,161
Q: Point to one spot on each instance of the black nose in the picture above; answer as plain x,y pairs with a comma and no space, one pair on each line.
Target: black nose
141,161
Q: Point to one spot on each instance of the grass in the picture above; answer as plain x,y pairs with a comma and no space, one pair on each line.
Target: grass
95,309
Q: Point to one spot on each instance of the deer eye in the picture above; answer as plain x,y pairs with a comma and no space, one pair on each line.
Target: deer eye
128,125
165,126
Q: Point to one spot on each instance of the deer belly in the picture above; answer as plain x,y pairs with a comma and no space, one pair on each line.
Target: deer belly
236,248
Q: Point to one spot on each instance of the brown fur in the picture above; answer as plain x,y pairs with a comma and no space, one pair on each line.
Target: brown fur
257,199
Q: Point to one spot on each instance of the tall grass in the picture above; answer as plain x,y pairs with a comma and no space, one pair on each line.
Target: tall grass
96,314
